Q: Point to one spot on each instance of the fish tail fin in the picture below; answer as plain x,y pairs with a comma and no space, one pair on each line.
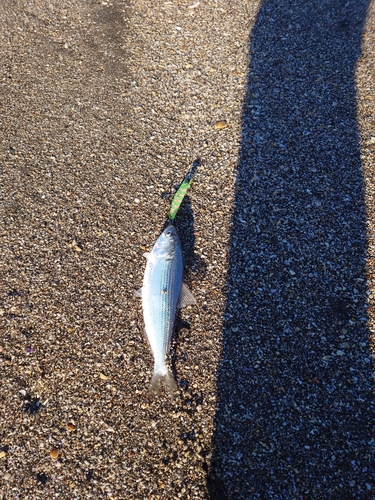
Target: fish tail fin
171,384
155,384
168,380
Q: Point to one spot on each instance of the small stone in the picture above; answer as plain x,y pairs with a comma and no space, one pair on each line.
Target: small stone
32,406
54,454
7,476
326,358
137,200
221,124
339,352
3,454
71,427
103,377
194,5
42,478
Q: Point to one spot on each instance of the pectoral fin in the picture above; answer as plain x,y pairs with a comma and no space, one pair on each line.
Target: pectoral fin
138,293
186,298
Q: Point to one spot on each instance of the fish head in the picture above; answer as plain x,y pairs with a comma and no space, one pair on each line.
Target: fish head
167,243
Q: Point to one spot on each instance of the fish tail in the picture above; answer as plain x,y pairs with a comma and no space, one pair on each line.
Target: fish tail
168,380
171,384
155,384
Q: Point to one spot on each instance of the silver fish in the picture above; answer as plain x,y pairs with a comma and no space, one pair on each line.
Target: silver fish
163,292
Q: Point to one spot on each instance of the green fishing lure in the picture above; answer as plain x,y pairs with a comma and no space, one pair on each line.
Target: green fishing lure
181,192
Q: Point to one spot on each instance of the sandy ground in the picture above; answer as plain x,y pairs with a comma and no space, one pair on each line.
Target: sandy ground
104,106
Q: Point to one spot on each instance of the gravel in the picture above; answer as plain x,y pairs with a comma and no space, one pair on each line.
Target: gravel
104,107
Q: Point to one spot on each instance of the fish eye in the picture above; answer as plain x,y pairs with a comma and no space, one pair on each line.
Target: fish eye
168,233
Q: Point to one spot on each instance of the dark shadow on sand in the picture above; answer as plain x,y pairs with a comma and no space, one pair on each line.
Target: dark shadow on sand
296,409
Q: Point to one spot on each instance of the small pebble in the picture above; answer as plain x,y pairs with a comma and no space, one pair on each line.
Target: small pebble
221,124
54,454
